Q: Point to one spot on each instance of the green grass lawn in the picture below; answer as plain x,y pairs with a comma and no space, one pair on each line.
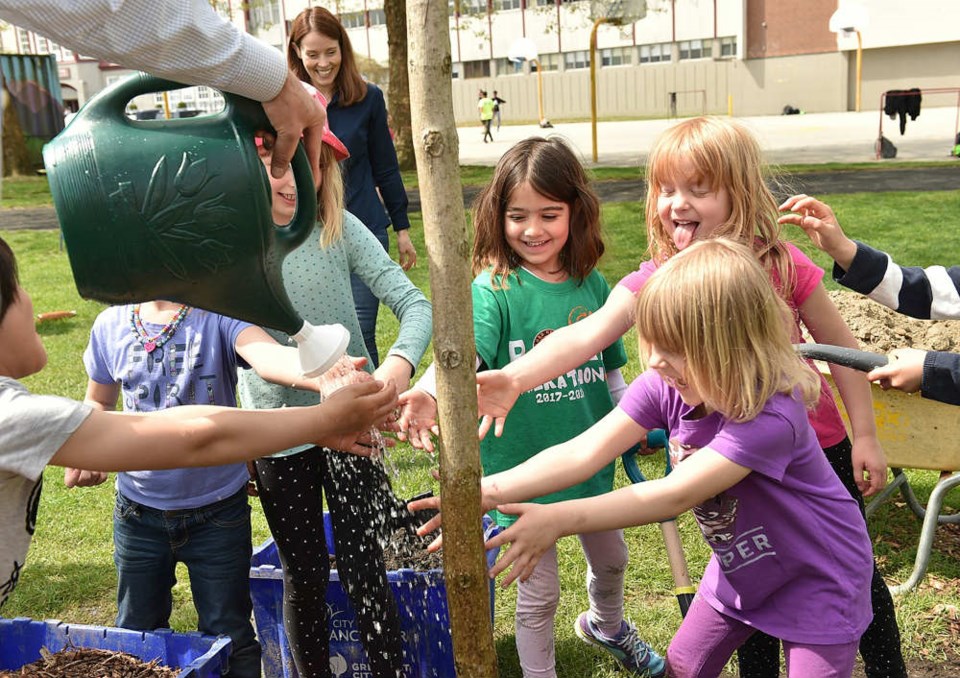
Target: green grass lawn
70,574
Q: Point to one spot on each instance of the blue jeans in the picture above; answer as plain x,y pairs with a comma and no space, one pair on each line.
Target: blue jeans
214,542
368,305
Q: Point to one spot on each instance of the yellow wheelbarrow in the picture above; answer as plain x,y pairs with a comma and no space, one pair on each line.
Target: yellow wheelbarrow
915,433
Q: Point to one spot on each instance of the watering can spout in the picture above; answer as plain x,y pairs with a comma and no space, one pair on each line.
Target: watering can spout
320,347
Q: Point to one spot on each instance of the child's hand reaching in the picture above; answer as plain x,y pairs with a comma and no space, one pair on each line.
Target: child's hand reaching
535,531
418,419
75,477
820,224
904,371
496,394
350,411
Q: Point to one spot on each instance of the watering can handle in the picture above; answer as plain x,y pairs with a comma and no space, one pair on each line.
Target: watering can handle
240,110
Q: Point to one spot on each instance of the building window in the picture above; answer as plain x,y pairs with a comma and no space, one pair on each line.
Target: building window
378,17
695,49
728,46
575,60
546,3
476,69
651,54
23,38
506,4
615,56
264,14
507,67
548,62
353,20
473,7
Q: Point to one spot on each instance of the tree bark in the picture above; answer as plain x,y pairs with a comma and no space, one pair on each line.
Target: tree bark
395,12
448,245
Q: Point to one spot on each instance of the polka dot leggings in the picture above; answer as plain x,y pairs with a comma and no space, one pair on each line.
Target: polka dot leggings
358,496
880,650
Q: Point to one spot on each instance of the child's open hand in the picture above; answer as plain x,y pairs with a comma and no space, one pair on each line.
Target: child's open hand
496,394
819,223
534,532
432,525
418,419
351,411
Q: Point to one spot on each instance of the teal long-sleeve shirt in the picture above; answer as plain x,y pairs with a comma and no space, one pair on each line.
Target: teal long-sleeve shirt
317,281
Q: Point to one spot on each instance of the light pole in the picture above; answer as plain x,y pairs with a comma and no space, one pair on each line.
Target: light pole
593,81
849,19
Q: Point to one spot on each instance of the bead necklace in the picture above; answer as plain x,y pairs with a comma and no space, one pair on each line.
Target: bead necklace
150,344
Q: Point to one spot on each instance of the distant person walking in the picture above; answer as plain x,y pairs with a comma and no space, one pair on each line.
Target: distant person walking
497,103
485,106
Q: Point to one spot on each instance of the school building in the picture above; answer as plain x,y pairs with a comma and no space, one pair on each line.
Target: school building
656,58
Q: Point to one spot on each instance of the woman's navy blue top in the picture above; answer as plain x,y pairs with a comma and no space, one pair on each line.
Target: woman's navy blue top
372,164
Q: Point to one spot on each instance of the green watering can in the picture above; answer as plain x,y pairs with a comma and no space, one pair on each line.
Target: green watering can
180,210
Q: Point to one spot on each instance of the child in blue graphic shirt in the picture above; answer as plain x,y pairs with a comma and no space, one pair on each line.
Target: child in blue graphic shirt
155,356
536,247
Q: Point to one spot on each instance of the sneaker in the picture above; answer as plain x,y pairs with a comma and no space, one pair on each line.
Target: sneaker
628,649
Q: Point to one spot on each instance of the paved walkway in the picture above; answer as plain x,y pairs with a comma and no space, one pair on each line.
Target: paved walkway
794,139
786,139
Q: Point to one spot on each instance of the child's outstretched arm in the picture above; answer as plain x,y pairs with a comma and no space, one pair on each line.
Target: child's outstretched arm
198,435
101,397
273,361
820,223
555,468
826,325
936,374
703,475
561,351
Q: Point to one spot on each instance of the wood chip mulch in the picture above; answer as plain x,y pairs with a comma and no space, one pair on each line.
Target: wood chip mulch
90,663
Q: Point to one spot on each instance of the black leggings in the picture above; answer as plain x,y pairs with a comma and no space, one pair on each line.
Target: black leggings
359,499
759,657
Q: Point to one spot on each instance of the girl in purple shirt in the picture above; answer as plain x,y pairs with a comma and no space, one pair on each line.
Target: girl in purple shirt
791,553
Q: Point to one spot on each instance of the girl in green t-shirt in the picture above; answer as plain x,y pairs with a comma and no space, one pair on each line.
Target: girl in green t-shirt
535,254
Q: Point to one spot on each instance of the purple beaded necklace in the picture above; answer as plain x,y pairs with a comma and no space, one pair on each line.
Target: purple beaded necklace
150,344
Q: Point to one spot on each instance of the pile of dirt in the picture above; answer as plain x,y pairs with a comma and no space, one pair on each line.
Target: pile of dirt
882,330
84,662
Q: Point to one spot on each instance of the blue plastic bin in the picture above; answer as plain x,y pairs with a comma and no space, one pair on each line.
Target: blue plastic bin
421,598
196,655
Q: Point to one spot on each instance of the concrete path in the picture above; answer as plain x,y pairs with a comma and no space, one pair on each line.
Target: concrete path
794,139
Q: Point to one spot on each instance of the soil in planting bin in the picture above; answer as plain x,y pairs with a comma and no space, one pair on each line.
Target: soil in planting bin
407,550
83,662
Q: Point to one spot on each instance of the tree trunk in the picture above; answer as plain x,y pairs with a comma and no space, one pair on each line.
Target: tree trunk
395,12
448,246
